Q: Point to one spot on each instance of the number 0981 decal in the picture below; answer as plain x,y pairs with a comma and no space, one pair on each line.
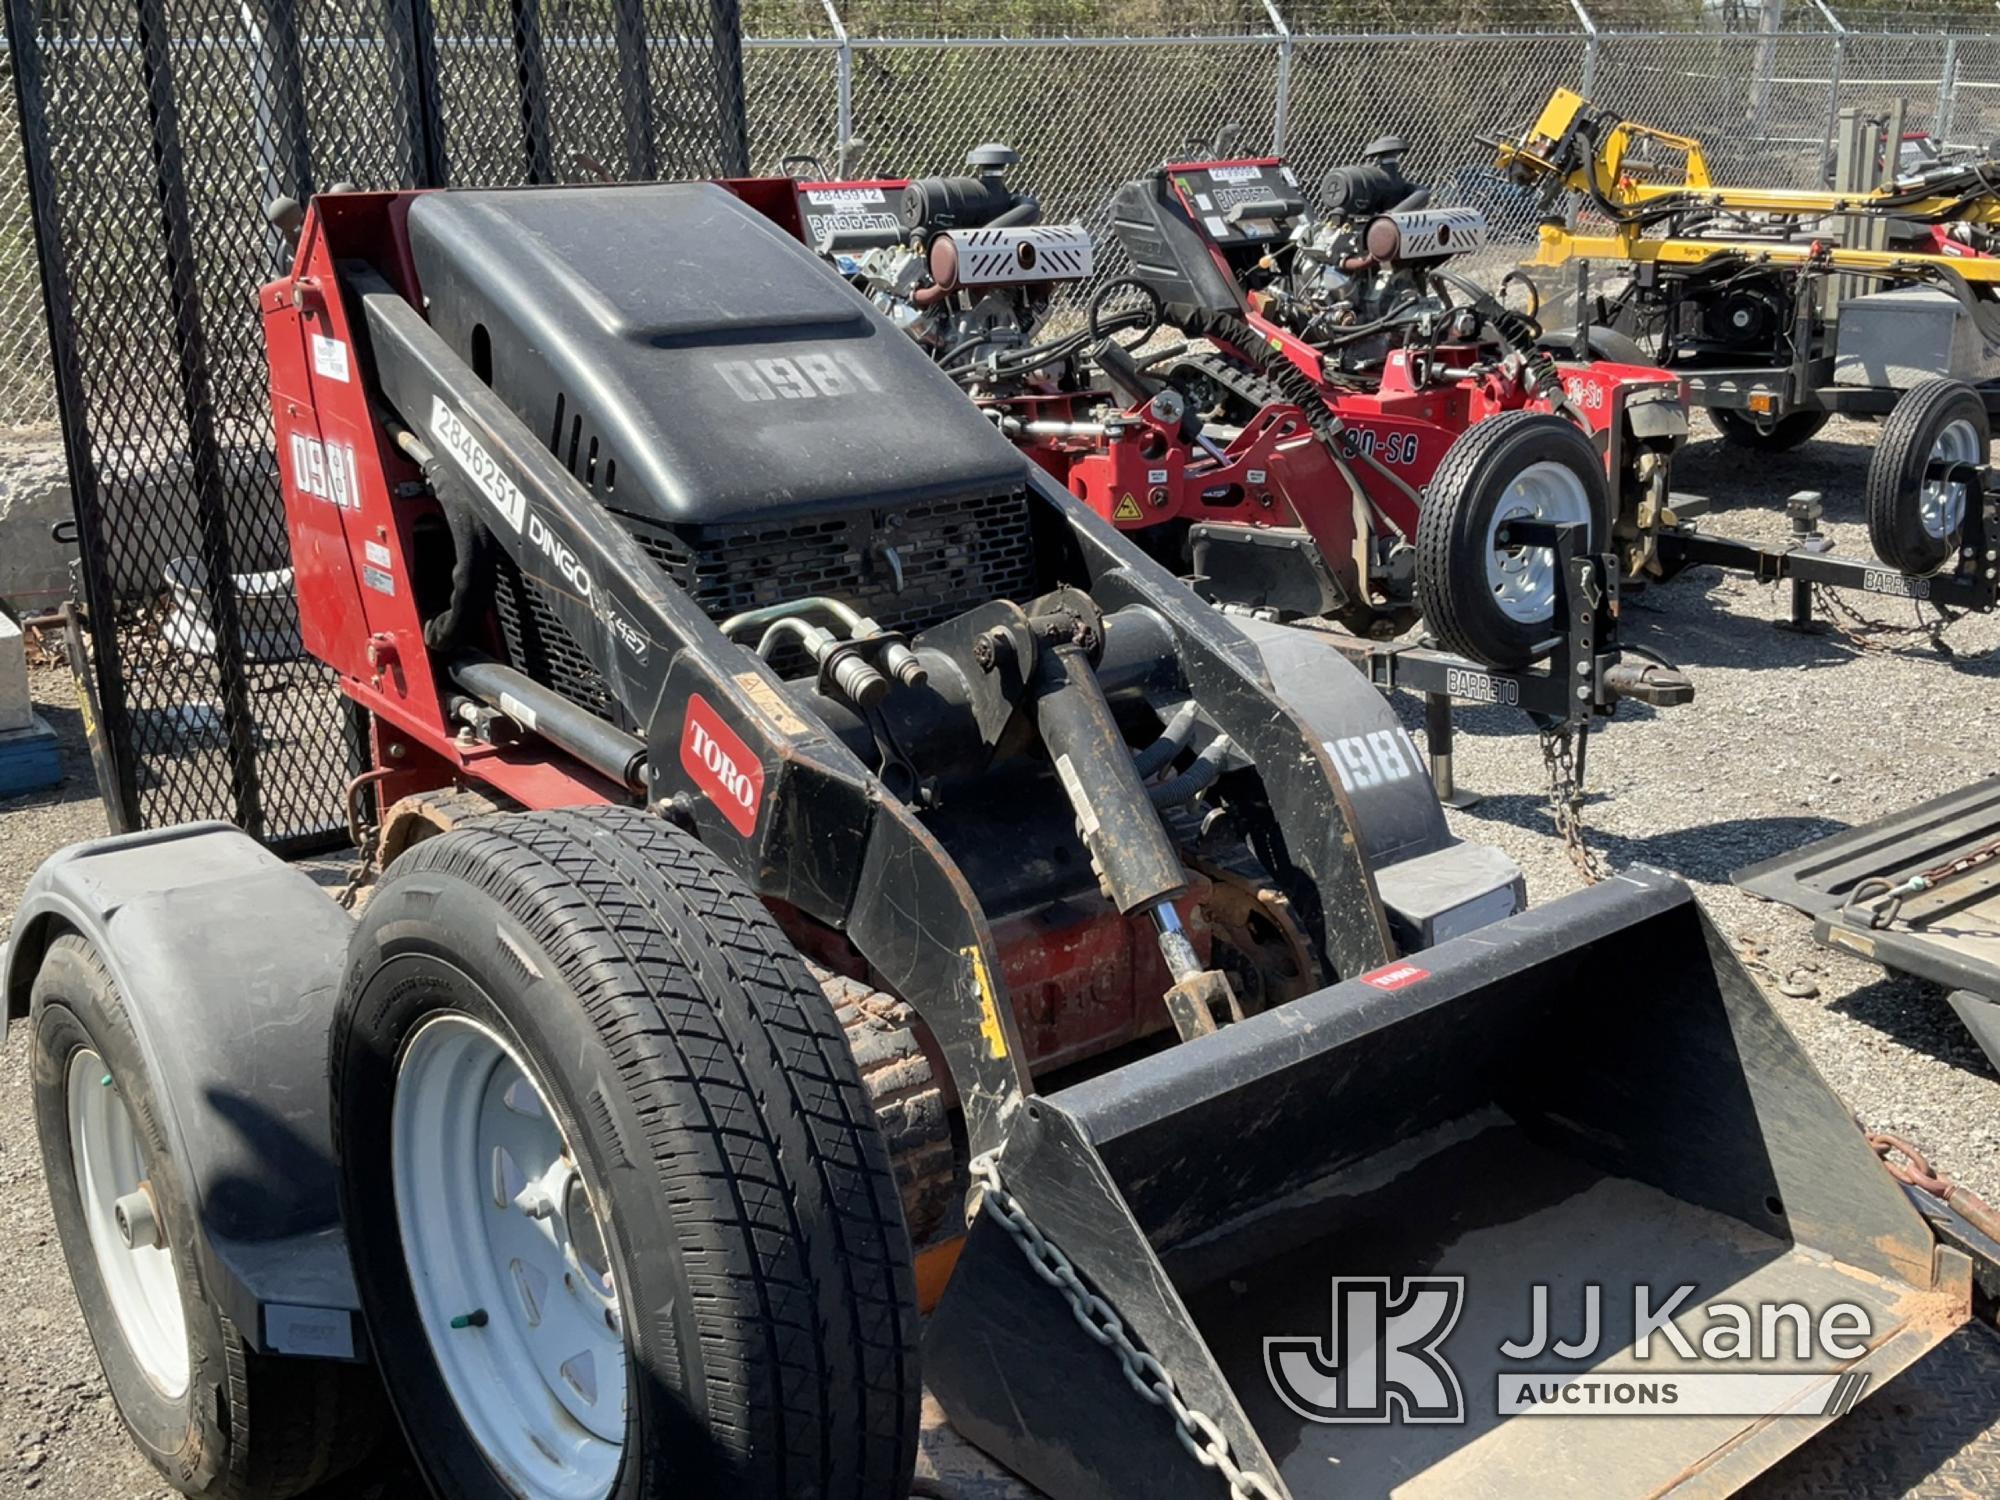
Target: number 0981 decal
797,377
1365,760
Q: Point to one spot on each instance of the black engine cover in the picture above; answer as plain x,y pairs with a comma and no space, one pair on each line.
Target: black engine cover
691,362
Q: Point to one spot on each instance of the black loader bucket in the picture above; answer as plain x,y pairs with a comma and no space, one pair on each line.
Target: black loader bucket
1591,1095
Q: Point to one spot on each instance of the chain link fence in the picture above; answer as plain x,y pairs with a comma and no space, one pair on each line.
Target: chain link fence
891,91
907,90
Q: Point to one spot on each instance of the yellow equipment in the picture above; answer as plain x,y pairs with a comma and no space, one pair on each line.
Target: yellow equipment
1640,178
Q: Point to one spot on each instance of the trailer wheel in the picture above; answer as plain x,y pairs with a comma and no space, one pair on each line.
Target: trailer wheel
623,1220
1915,521
1768,434
215,1418
1481,599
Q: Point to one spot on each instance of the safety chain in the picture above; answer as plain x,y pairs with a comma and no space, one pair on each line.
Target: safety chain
1146,1375
1892,894
1866,633
1566,800
1915,1170
364,868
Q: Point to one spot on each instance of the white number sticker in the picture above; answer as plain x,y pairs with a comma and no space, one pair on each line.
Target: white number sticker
325,471
478,464
802,377
1375,759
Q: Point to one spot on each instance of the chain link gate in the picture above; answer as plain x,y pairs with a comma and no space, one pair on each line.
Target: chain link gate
153,133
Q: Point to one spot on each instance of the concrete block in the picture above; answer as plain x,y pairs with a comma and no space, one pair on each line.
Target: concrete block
17,709
34,494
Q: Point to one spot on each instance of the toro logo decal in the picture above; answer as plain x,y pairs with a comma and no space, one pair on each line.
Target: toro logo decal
1395,976
717,760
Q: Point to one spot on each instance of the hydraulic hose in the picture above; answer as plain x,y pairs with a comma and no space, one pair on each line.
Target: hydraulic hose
1355,332
1518,332
1171,741
1197,778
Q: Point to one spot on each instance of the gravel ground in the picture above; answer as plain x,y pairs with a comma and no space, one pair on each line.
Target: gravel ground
1791,737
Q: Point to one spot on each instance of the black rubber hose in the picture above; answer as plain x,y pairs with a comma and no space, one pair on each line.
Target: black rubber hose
1196,779
1170,743
1298,387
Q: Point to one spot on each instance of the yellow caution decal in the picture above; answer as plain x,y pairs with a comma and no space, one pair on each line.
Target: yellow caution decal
989,1007
1128,510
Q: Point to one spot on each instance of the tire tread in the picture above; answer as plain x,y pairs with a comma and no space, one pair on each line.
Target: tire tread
756,1122
1908,434
1445,540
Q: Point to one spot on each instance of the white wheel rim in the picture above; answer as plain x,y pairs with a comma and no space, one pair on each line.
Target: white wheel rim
1941,502
1523,579
496,1221
139,1280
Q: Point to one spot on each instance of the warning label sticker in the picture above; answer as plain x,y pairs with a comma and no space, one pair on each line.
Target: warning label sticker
1127,509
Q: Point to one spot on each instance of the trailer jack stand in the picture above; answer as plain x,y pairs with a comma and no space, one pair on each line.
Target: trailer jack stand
1582,675
1805,509
1438,745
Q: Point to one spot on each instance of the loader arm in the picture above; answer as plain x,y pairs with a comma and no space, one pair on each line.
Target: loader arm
851,856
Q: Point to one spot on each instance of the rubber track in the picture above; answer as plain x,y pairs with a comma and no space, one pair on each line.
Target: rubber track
762,1135
909,1102
1296,386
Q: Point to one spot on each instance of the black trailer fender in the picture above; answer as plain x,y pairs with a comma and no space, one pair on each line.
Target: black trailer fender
229,962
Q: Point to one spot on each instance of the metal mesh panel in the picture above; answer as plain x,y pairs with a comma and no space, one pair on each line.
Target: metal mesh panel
153,137
934,561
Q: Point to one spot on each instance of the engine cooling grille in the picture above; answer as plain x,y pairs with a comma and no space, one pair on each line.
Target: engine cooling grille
909,569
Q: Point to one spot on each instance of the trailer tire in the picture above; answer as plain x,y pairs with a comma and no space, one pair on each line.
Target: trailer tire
1740,430
717,1148
1480,601
1913,524
224,1421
